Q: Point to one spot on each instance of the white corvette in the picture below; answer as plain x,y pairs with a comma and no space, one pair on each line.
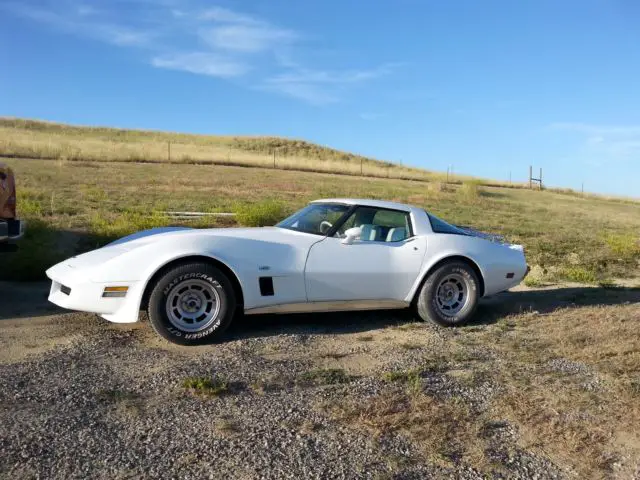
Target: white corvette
338,254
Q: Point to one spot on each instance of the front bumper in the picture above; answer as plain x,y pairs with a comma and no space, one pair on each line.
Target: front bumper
85,296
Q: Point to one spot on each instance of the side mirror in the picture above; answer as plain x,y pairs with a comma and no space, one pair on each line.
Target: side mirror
351,235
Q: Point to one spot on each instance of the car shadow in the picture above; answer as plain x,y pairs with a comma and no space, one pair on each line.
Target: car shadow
490,310
267,325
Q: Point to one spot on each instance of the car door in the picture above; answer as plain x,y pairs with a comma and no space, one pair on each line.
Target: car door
382,264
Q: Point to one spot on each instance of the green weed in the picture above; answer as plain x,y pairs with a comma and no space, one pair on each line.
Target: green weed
261,214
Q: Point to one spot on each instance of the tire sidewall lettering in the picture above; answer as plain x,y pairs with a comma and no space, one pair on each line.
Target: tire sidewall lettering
188,276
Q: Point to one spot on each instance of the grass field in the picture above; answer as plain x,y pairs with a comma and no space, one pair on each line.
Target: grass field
74,206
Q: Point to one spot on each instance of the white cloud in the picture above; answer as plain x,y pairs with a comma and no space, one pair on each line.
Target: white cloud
309,93
202,63
597,130
340,77
606,141
320,86
207,40
224,15
83,21
370,116
246,38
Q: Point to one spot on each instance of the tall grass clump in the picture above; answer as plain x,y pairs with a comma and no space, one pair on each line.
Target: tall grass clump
470,191
261,214
626,247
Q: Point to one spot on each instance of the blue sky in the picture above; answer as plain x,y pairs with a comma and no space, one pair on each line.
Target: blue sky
487,87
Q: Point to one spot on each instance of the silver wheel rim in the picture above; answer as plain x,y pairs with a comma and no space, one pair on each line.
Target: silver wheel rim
193,305
452,294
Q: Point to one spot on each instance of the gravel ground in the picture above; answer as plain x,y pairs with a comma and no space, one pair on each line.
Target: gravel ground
82,398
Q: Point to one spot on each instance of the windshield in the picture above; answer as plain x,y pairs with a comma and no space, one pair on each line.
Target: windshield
317,218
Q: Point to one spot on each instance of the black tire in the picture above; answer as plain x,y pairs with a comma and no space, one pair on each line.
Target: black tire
165,289
427,305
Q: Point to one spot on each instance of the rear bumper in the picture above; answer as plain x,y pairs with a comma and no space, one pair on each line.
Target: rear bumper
11,230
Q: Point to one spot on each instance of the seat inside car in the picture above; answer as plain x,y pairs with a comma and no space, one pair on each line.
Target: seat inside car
369,233
396,234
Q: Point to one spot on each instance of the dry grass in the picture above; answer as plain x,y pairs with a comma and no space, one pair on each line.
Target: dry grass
586,415
73,206
445,430
568,382
46,140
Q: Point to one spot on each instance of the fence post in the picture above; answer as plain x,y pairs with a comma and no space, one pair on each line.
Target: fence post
540,178
530,177
361,166
509,177
274,158
447,174
169,150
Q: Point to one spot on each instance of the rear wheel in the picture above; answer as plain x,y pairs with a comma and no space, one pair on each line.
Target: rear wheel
449,296
192,304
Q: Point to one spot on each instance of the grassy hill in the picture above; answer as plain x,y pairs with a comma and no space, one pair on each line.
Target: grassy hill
46,140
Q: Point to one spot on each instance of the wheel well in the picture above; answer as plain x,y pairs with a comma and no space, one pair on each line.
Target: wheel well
454,258
237,288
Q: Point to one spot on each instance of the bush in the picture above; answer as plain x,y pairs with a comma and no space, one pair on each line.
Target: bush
260,214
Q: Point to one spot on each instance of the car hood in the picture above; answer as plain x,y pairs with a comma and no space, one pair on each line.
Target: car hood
180,236
267,234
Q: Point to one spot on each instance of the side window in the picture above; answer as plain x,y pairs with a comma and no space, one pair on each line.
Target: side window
378,225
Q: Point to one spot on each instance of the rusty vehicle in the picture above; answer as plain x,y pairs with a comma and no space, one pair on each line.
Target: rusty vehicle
11,229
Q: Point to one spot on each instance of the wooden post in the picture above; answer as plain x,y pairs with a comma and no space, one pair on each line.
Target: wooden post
540,178
447,174
169,150
530,177
361,166
274,158
509,177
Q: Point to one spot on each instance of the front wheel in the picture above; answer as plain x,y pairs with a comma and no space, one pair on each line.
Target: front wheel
192,304
449,296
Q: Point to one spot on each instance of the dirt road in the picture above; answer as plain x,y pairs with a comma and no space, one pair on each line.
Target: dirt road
359,395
